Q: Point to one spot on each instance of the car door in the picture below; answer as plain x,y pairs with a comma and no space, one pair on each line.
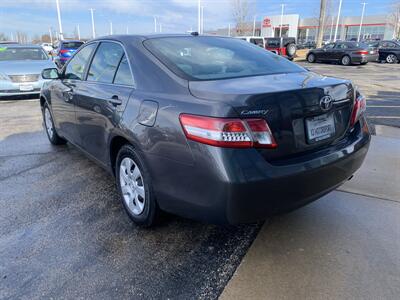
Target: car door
339,51
328,52
63,98
103,97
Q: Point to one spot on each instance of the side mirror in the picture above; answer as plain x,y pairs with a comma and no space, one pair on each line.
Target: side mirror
51,73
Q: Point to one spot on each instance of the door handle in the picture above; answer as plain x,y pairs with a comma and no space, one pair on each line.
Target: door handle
115,100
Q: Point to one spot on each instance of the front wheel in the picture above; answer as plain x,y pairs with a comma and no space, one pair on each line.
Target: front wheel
392,59
48,123
346,60
311,58
135,187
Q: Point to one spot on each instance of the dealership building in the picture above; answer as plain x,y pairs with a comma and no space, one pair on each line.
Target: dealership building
373,27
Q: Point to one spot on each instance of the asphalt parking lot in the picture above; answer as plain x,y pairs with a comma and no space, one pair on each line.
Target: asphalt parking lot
64,234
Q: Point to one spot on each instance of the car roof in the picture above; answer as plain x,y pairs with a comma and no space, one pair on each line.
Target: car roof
22,46
136,37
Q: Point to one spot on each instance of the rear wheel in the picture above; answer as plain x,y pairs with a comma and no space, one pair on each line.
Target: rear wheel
346,60
48,122
392,59
135,187
311,58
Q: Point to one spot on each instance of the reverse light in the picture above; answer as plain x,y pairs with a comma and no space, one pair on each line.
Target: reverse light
231,133
360,106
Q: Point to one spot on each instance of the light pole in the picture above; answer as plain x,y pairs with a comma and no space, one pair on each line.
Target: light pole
79,32
93,28
280,27
254,25
362,19
337,21
111,28
51,36
155,24
127,29
160,27
202,20
330,35
59,20
199,16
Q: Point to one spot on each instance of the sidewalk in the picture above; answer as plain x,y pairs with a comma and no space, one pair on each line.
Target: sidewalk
343,246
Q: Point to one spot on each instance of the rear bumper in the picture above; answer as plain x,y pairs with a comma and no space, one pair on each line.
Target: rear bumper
365,58
239,186
9,88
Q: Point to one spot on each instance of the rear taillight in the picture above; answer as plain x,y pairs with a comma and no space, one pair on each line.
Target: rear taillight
233,133
360,105
362,52
64,51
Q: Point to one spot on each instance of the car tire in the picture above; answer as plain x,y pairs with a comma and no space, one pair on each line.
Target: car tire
48,123
346,60
311,58
392,59
291,50
363,63
135,187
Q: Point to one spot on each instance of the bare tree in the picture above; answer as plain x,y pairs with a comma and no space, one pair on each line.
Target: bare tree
321,23
242,13
394,19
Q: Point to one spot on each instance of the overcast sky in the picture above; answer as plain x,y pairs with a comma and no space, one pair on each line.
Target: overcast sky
36,16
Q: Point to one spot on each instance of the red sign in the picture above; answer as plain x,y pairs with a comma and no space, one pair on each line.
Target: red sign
266,22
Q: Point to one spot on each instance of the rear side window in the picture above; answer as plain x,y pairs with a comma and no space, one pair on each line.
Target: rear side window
258,42
76,66
210,58
105,62
123,75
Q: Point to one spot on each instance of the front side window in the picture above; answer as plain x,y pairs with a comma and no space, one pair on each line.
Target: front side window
123,75
211,58
76,66
105,62
329,46
341,46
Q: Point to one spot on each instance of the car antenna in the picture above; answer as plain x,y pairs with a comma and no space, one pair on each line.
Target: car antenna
194,33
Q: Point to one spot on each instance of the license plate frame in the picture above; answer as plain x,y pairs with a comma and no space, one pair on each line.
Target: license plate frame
320,128
26,87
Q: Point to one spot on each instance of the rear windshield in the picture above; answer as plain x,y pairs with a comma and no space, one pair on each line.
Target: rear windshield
20,53
210,58
72,45
273,42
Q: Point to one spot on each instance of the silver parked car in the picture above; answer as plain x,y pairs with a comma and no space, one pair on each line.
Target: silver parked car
20,69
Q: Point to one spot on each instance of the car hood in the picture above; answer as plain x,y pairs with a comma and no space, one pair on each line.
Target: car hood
21,67
235,89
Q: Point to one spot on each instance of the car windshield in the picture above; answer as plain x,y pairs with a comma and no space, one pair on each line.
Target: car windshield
210,58
20,53
71,45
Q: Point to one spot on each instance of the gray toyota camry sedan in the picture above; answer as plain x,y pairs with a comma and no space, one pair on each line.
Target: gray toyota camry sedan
210,128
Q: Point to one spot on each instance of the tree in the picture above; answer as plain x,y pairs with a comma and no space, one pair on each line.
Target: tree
241,10
394,19
321,23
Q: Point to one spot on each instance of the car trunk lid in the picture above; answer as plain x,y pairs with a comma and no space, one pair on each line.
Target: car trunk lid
290,103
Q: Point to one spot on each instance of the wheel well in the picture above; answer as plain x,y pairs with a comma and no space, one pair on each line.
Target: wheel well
42,101
116,144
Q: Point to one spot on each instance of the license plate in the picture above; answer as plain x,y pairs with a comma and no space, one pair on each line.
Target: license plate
320,128
25,87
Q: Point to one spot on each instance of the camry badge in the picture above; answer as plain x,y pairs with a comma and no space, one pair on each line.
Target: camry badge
326,103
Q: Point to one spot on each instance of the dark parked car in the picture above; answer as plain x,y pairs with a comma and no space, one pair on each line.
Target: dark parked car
64,50
346,53
389,51
210,128
284,46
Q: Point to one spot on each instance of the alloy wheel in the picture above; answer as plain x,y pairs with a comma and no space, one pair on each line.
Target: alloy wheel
48,122
132,186
391,59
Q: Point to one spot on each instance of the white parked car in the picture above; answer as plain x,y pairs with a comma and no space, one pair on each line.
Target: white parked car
256,40
47,47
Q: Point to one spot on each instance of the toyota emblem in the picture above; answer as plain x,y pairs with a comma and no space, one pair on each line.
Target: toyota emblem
326,103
